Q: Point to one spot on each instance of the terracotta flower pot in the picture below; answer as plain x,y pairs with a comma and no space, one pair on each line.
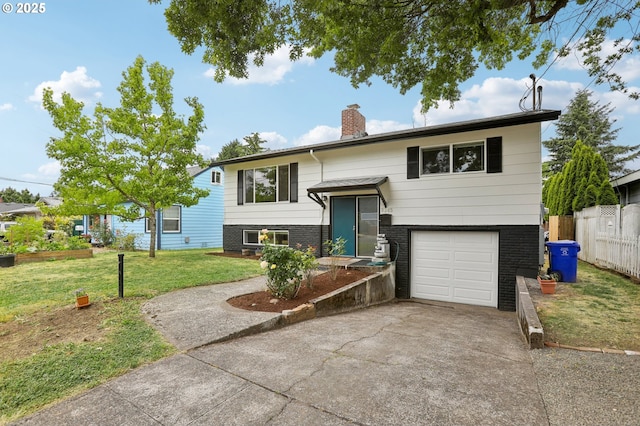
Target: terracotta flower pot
547,286
82,301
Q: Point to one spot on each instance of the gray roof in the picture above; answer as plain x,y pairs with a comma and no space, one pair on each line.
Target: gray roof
9,207
441,129
347,184
51,201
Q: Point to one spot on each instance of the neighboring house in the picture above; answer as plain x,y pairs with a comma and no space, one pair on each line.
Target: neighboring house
628,188
460,203
180,227
20,209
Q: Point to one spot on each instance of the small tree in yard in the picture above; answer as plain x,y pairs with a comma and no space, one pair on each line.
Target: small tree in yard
335,249
137,153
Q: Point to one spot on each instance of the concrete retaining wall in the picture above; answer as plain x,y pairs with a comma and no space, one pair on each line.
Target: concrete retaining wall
379,287
528,320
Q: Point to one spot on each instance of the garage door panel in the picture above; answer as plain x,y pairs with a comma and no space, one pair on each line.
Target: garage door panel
483,278
474,257
438,292
455,266
471,296
433,255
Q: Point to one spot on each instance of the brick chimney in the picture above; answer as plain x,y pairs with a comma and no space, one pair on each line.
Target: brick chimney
353,123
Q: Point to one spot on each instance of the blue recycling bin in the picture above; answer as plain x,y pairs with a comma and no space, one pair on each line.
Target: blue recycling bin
563,257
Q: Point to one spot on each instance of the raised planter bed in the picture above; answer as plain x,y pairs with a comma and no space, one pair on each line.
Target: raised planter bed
42,256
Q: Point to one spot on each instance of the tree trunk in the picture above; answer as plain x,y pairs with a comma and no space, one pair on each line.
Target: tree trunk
152,231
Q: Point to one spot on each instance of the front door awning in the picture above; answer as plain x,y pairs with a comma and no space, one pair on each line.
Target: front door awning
349,184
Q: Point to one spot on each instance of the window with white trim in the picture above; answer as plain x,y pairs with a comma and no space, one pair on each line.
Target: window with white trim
266,184
171,220
454,158
468,157
278,238
216,177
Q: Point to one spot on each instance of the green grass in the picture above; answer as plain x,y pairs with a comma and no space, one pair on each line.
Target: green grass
600,310
62,370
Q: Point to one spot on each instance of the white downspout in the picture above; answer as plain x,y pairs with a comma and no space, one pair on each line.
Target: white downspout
322,210
319,162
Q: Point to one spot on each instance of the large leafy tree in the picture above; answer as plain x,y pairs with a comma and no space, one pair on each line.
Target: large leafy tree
583,182
137,153
437,44
589,122
252,145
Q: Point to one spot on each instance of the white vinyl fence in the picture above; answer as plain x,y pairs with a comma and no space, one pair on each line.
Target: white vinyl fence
605,242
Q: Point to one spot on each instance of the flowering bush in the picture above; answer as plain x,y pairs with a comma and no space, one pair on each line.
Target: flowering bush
285,267
102,234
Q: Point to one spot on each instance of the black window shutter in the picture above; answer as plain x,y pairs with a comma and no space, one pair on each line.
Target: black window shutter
293,182
413,162
240,187
494,155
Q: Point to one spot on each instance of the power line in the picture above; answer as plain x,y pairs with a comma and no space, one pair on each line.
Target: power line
25,181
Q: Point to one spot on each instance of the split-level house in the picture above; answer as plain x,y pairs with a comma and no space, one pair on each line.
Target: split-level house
459,203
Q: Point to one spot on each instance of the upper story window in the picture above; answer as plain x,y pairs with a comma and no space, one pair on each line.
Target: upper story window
266,184
216,177
456,158
477,156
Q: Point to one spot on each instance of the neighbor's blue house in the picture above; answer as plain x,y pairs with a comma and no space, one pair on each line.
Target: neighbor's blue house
180,227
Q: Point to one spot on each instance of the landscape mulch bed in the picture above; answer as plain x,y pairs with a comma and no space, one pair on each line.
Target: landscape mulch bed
263,301
322,284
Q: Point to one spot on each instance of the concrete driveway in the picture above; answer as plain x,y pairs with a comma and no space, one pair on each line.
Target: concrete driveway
401,363
404,363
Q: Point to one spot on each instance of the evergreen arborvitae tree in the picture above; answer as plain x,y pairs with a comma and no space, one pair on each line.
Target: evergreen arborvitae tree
607,196
583,182
588,122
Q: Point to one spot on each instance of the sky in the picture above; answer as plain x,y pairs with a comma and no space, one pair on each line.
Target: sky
83,47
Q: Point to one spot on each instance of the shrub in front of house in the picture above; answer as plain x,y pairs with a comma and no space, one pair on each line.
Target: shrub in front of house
286,267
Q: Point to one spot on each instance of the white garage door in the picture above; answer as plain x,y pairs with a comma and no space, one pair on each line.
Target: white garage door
455,266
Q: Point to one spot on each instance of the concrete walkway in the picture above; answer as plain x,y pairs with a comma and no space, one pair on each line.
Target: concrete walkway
404,363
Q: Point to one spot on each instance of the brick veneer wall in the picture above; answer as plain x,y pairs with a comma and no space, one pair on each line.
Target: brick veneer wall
518,255
518,250
305,235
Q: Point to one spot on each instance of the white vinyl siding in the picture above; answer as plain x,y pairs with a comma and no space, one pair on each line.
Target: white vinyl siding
511,197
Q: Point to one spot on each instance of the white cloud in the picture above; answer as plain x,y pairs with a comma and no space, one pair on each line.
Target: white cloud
375,127
496,96
274,140
204,150
628,67
319,134
6,107
272,71
77,83
50,169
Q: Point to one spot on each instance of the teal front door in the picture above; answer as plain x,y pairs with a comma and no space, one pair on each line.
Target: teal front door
356,220
343,221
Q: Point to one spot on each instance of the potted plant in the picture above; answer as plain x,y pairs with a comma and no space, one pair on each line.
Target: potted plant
82,298
7,255
548,282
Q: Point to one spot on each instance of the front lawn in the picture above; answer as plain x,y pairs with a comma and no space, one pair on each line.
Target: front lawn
51,350
601,310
